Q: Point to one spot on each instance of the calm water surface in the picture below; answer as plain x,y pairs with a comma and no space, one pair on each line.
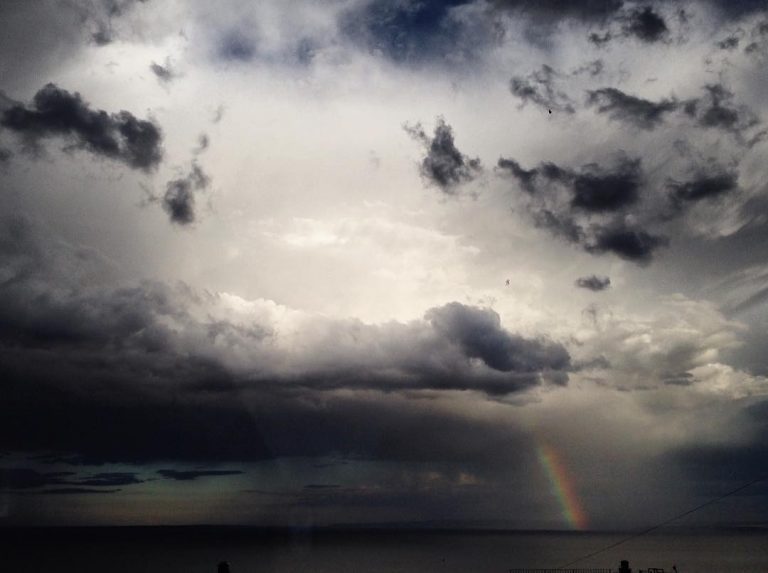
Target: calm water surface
187,550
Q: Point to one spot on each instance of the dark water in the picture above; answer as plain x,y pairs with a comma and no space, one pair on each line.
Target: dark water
198,550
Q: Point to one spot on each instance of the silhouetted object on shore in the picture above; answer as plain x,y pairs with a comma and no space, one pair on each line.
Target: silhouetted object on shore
625,567
223,567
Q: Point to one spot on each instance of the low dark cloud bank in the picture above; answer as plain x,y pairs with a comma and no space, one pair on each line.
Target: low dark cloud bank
57,113
444,165
28,479
191,475
146,372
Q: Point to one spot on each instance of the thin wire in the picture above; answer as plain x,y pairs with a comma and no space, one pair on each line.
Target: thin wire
663,523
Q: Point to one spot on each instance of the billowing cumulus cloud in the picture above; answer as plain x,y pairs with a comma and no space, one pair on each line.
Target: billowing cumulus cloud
57,113
153,344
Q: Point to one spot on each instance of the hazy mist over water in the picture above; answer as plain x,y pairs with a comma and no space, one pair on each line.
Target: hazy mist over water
193,550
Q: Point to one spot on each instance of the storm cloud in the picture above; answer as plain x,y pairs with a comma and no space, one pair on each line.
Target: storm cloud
188,383
57,113
374,326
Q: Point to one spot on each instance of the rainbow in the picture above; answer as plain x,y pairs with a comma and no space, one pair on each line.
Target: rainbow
563,486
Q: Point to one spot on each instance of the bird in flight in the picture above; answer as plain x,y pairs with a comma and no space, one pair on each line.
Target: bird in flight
507,282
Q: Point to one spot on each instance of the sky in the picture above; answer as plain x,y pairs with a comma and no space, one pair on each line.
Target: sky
473,263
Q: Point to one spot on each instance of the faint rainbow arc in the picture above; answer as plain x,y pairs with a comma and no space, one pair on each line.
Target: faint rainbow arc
563,486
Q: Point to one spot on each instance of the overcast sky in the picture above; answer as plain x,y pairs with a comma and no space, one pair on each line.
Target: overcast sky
486,262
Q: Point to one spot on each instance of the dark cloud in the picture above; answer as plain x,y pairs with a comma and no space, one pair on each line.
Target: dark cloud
320,487
615,237
194,474
107,479
647,25
412,32
238,47
179,198
593,283
716,110
55,112
95,373
593,68
526,177
729,43
444,165
102,16
629,243
640,112
27,478
5,156
588,206
736,9
703,186
597,190
479,333
555,10
719,468
678,378
592,188
600,39
203,142
539,89
76,491
164,73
